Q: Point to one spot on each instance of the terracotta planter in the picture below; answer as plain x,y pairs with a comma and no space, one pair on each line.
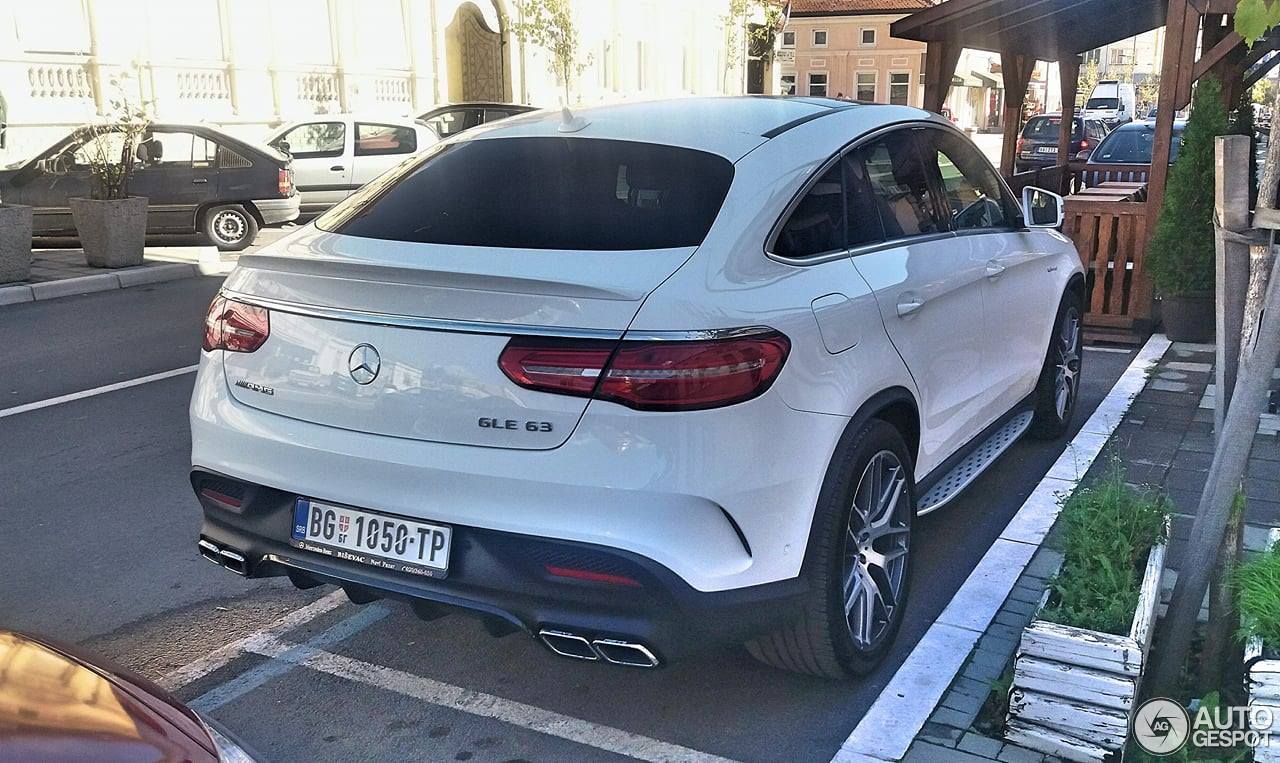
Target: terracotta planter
15,243
113,232
1189,318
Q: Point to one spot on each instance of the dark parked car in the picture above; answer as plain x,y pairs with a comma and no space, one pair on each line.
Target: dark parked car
57,704
196,178
453,118
1128,146
1038,146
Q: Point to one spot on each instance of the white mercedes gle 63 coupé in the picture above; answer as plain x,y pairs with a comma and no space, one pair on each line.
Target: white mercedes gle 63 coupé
641,379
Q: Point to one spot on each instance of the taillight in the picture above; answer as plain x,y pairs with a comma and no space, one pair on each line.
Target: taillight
1084,144
234,326
285,182
1021,142
650,375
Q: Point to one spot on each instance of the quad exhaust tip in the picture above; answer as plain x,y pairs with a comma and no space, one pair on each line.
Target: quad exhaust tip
224,557
613,651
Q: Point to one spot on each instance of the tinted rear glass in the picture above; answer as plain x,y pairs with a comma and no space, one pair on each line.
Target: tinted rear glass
1046,128
1132,146
543,193
1103,103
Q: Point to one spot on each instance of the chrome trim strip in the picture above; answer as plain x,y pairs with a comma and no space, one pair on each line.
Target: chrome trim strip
416,322
697,335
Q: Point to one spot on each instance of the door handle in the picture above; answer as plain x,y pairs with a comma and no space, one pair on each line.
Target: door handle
337,168
995,269
907,307
200,181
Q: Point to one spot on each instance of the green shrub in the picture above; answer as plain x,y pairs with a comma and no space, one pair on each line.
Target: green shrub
1181,255
1109,529
1257,586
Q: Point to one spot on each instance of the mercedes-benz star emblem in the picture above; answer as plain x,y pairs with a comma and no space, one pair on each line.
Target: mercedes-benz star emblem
364,364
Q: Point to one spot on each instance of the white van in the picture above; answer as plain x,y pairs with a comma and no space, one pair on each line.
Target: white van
1112,102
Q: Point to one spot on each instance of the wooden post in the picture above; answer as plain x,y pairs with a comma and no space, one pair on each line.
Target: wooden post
940,64
1231,214
1069,76
1016,69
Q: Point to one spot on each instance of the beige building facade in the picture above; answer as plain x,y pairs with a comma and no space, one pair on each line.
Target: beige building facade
845,49
249,65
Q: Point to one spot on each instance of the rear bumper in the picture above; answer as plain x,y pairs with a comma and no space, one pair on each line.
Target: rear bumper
276,211
504,579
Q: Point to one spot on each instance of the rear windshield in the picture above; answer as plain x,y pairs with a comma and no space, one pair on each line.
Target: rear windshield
1132,146
1046,128
543,193
1103,103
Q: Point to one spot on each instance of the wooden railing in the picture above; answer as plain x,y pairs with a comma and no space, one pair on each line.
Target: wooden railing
1075,177
1111,236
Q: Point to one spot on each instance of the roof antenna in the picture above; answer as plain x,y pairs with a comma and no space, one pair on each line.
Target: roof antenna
570,123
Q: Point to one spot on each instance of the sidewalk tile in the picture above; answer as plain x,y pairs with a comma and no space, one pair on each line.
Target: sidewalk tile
923,752
980,745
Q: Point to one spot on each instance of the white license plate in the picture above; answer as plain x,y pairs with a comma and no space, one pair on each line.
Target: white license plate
1048,149
392,543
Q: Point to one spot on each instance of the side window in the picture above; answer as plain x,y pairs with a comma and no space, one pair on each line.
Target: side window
204,153
972,191
379,140
448,123
167,149
315,140
493,115
817,225
103,148
900,187
860,204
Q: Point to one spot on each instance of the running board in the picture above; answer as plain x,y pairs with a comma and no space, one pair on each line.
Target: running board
975,464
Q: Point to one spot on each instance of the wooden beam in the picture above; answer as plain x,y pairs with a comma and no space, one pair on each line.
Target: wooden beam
940,64
1069,78
1016,70
1190,37
1226,45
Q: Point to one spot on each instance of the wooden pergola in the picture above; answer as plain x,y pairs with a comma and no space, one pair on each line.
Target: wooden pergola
1026,31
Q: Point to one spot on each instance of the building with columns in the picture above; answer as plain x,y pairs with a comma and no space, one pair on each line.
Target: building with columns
251,64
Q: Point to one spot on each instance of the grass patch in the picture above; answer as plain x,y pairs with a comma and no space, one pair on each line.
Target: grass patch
1109,528
1257,586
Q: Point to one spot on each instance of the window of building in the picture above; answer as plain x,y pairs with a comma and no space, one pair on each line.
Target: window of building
820,38
788,84
818,84
900,88
868,37
788,39
865,86
379,140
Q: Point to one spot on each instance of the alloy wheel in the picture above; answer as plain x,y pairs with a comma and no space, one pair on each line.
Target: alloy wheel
1068,369
230,226
875,550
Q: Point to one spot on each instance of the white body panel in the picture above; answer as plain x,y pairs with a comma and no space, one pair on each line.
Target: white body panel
668,486
1122,92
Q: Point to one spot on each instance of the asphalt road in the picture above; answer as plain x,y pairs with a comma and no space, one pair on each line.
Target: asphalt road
97,545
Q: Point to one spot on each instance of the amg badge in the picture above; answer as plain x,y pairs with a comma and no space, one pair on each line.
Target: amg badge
255,387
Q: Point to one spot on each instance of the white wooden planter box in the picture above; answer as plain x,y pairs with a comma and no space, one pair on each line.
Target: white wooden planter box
1263,677
1074,690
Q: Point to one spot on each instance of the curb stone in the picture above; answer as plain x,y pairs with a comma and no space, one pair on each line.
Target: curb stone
119,279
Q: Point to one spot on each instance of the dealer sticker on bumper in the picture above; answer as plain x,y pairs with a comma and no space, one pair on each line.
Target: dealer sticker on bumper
378,540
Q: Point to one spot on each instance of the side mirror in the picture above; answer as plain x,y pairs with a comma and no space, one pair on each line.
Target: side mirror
1084,155
1043,209
283,145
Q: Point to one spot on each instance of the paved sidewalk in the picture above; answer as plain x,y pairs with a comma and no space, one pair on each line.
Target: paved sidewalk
1165,441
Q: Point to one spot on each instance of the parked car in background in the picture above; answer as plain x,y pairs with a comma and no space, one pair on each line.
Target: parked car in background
1113,102
565,380
453,118
196,178
335,155
59,704
1129,146
1038,145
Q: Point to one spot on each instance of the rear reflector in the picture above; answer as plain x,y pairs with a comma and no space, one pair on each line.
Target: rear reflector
650,376
235,326
591,575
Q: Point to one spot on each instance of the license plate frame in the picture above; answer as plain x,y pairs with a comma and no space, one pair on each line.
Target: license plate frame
1048,150
341,542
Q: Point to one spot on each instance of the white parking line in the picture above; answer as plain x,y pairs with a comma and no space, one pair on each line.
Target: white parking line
484,705
14,411
888,728
225,654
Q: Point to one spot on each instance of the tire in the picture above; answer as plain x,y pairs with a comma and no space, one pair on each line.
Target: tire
1059,386
823,642
230,227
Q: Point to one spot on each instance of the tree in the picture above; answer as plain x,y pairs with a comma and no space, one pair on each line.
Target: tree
1087,82
1259,352
1264,91
550,25
749,25
1149,90
1181,255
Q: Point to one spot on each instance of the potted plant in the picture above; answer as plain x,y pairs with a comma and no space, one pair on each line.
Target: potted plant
1076,677
1257,589
1181,255
111,223
15,243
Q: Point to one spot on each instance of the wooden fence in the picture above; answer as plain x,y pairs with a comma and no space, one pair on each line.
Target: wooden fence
1111,237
